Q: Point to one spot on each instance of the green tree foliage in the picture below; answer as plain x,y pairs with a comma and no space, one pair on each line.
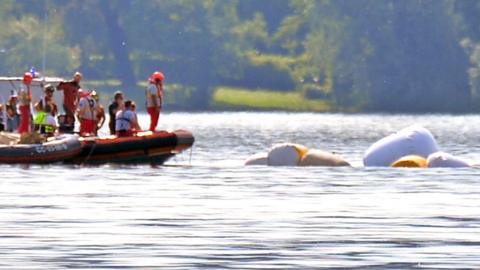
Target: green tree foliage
416,62
412,55
25,38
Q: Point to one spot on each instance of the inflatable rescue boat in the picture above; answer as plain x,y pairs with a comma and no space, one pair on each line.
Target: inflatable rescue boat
144,147
58,149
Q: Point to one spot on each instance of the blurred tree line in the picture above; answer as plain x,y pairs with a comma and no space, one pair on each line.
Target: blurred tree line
363,55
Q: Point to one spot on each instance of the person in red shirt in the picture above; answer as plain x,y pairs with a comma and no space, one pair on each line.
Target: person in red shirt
155,98
25,99
70,94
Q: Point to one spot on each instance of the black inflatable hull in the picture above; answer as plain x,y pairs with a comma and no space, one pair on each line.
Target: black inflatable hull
147,147
63,148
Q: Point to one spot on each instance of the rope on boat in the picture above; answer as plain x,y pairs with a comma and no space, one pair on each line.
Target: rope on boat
90,153
190,157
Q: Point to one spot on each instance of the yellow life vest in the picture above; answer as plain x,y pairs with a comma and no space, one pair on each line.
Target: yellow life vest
40,119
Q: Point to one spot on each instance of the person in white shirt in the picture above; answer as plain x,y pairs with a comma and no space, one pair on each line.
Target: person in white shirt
45,122
87,114
126,123
155,98
50,120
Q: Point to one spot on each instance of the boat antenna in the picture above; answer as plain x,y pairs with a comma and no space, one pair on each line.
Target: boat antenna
44,56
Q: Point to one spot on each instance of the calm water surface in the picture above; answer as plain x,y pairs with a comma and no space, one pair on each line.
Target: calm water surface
204,210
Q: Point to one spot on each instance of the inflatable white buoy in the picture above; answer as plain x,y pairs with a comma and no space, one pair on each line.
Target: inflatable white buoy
445,160
414,140
286,154
257,159
316,157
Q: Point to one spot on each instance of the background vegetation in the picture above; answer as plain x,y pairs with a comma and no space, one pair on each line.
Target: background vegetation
363,55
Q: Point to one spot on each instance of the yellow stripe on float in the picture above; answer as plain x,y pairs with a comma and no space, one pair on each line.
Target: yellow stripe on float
411,161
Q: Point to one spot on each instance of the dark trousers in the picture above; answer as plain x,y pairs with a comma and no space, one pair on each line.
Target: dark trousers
68,112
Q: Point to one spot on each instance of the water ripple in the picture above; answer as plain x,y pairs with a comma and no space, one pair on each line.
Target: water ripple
210,212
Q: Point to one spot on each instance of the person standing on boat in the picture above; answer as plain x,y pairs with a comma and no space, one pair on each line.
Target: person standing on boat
47,99
113,108
25,99
100,112
126,123
70,94
13,118
44,122
134,109
155,98
87,109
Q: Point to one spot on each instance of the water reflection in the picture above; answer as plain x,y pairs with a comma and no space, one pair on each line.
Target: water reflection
213,213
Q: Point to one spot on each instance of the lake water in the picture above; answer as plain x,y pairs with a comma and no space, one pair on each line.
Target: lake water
204,210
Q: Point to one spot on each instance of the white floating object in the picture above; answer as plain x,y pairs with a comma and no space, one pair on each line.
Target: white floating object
315,157
445,160
286,154
257,159
413,140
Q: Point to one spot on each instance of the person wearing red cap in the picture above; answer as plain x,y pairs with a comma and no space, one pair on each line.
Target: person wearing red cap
155,98
25,99
87,113
70,94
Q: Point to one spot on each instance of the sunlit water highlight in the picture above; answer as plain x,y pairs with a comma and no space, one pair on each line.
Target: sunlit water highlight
206,210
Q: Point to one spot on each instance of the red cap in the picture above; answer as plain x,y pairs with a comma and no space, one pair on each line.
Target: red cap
158,76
